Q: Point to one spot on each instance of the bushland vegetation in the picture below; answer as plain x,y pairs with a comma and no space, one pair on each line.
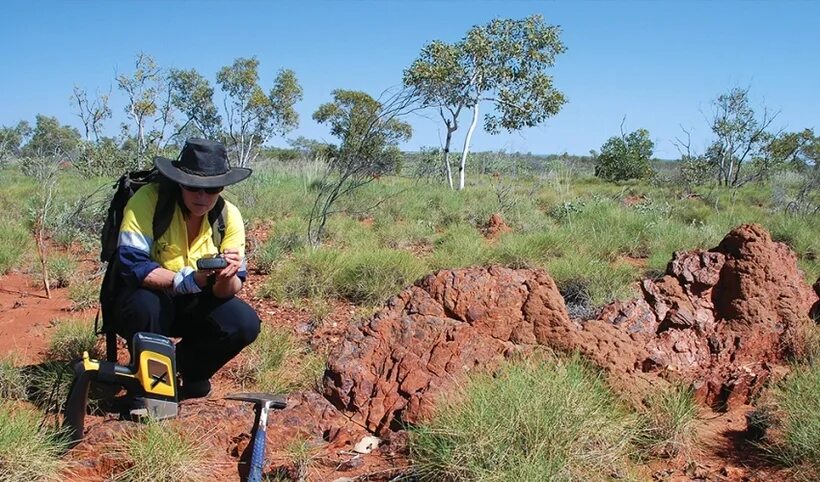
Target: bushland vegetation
598,223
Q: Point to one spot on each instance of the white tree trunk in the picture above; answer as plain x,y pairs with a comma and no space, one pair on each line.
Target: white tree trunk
466,149
447,157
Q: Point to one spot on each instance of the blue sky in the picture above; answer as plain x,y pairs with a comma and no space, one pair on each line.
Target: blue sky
658,63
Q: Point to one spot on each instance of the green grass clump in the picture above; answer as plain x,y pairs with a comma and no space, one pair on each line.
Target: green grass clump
12,381
668,422
275,363
371,277
159,451
61,269
83,294
532,421
309,273
71,339
15,241
28,452
796,405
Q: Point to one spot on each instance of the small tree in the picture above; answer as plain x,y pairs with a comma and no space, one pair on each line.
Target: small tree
740,134
149,104
12,138
252,116
369,131
625,157
91,112
51,139
503,63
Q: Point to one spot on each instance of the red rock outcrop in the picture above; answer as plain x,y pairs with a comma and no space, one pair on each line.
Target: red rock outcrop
719,319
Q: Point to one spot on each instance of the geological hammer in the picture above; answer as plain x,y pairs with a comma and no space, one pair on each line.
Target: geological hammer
262,403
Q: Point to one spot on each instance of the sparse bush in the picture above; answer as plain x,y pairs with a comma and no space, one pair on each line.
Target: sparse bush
71,339
162,452
668,422
626,157
28,452
531,421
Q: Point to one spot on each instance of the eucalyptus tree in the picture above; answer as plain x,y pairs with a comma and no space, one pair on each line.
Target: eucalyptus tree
51,139
740,135
369,131
251,115
92,112
193,95
503,63
12,139
148,103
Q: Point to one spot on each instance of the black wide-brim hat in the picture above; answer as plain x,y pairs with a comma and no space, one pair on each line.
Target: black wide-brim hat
202,163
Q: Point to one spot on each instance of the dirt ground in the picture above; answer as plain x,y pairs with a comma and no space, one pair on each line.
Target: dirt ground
28,320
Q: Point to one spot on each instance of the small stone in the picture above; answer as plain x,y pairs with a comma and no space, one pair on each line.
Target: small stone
367,445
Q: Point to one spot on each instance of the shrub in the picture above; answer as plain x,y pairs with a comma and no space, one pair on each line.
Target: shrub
28,452
161,451
668,422
531,421
71,339
626,157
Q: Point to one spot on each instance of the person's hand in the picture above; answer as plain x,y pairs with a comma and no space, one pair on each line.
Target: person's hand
234,260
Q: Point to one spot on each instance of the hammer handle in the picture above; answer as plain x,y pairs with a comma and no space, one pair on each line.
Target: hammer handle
259,439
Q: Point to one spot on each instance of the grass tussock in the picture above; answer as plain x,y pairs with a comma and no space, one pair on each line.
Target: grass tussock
83,294
12,382
61,270
71,339
794,407
552,420
668,423
28,452
162,452
15,241
276,363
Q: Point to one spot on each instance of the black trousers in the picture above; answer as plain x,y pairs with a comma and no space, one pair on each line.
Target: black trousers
212,330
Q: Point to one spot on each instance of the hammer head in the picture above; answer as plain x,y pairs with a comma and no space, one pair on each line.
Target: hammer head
267,400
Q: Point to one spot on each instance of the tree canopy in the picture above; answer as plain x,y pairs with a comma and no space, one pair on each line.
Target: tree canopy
504,63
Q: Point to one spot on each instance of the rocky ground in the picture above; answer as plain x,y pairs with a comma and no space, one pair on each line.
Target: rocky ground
723,320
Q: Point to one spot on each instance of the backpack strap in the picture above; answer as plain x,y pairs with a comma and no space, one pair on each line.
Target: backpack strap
164,210
216,218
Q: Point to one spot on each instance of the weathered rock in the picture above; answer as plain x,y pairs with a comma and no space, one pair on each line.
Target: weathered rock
718,320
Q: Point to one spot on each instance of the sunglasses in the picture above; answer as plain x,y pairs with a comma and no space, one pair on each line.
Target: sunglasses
207,190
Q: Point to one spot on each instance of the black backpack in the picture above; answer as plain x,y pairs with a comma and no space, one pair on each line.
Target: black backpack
125,187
